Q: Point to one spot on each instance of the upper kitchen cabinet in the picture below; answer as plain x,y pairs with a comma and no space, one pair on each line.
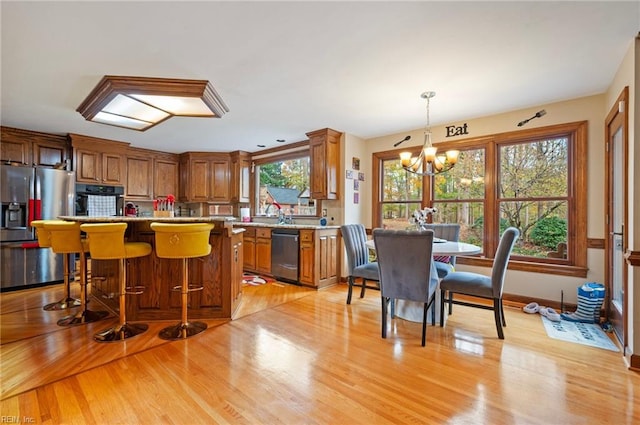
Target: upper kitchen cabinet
33,148
166,175
324,152
205,177
240,176
99,161
139,166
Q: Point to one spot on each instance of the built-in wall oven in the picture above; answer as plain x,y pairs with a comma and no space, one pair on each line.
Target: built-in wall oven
99,200
285,248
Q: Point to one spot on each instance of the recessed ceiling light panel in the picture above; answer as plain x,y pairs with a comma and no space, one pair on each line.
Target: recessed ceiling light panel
140,103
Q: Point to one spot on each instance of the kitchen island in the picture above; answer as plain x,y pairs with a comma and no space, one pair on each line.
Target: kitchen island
220,273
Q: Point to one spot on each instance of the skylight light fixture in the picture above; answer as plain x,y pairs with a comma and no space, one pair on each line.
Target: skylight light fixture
139,103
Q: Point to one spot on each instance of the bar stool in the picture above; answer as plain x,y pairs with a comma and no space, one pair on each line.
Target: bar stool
106,242
183,241
44,241
66,240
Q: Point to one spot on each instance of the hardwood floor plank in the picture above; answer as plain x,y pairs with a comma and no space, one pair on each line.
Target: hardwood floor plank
294,355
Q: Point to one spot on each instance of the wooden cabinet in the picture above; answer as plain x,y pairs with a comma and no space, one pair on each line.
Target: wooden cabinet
99,161
166,175
263,250
33,148
249,249
318,257
205,177
240,177
307,255
236,261
257,250
324,152
139,183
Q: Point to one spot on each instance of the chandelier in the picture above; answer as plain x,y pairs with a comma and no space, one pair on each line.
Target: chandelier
429,162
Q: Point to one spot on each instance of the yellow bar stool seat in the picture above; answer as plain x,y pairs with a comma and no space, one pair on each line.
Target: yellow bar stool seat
44,241
66,239
107,242
183,241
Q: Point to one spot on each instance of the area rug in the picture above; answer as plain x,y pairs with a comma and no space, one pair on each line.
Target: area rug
581,333
255,280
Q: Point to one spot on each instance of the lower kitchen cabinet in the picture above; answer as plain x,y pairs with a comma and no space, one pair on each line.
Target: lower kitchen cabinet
319,257
257,250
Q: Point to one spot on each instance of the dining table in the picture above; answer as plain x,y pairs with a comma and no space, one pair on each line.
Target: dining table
412,310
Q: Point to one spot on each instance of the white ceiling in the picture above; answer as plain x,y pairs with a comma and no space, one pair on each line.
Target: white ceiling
287,68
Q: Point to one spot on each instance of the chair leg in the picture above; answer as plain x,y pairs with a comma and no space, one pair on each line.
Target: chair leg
184,329
450,302
424,324
122,330
504,322
350,281
86,315
67,301
432,303
442,295
364,286
385,302
497,314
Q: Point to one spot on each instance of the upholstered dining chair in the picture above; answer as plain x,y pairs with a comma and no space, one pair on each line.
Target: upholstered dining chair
404,258
481,286
358,264
450,232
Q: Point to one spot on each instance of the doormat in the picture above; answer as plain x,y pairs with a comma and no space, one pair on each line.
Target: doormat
581,333
255,280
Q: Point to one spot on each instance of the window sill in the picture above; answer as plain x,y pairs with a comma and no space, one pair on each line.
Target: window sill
554,269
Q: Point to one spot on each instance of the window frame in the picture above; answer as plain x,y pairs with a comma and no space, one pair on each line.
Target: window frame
284,153
577,135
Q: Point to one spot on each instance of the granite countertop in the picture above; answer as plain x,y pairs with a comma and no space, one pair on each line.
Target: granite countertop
125,219
283,226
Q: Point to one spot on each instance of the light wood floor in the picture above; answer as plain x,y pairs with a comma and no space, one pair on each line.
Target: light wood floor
297,356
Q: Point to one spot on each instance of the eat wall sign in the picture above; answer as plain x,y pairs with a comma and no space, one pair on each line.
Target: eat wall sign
453,130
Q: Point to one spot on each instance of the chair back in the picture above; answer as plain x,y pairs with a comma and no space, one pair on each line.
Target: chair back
404,258
106,240
64,236
501,260
43,235
448,231
182,240
355,242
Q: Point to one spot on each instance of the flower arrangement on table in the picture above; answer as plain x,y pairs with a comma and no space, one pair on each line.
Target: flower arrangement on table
419,217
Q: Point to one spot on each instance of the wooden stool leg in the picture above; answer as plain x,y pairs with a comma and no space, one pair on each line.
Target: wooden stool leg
184,329
123,330
67,301
86,315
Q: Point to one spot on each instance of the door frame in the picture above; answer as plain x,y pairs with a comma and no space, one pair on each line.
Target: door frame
617,119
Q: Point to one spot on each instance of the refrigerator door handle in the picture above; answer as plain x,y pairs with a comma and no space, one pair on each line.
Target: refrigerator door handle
31,203
38,199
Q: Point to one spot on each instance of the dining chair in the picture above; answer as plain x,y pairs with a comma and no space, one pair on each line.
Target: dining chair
481,286
358,264
404,258
445,264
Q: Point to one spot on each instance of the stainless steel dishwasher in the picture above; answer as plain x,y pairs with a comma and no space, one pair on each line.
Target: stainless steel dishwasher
285,248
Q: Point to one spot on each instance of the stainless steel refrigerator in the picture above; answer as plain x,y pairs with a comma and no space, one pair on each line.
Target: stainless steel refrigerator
27,194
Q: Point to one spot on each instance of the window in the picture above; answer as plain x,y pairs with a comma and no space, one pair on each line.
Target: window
534,180
283,184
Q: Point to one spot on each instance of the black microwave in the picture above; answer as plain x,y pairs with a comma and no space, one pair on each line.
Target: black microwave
99,200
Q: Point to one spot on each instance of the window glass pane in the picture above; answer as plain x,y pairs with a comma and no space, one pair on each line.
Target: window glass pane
470,216
543,227
465,180
398,184
285,185
396,215
534,169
